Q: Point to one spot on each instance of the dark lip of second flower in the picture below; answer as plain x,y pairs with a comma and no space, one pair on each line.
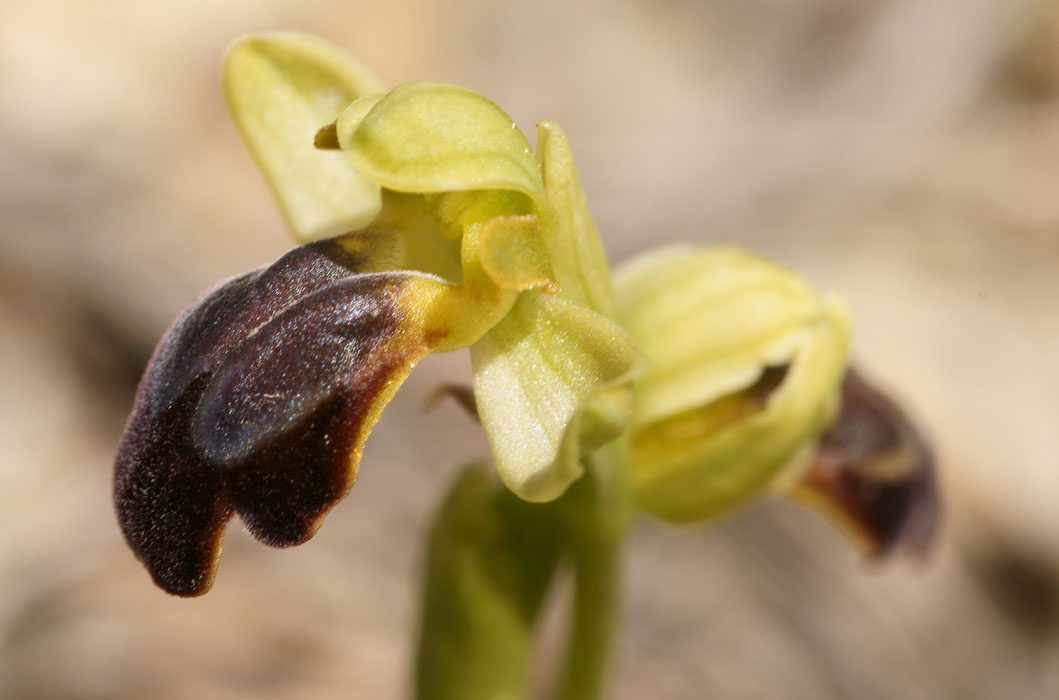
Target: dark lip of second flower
875,471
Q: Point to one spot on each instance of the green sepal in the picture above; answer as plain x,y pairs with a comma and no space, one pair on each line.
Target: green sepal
280,88
535,373
746,360
710,320
691,469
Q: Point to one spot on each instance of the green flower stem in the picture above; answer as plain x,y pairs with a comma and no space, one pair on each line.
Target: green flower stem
601,511
597,604
491,560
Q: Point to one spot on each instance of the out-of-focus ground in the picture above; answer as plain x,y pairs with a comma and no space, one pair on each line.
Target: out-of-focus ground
903,153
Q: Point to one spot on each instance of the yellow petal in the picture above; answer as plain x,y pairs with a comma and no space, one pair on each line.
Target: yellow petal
280,89
577,254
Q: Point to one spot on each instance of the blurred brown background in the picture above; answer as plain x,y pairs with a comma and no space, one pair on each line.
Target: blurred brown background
903,153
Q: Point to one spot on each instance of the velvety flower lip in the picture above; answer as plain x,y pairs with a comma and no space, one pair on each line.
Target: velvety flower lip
874,473
256,403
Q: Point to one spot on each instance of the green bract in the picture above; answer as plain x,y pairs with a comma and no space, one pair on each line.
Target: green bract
508,232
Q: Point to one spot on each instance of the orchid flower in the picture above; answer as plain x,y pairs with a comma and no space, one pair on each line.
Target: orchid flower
258,400
748,393
428,224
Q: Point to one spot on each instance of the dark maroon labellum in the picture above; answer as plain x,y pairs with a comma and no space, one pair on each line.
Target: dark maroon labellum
255,403
875,468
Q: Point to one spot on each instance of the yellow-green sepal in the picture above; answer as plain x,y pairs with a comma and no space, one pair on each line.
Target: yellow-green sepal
535,374
430,137
280,89
709,320
696,466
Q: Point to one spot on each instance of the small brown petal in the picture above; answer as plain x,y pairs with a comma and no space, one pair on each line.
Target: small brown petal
462,394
